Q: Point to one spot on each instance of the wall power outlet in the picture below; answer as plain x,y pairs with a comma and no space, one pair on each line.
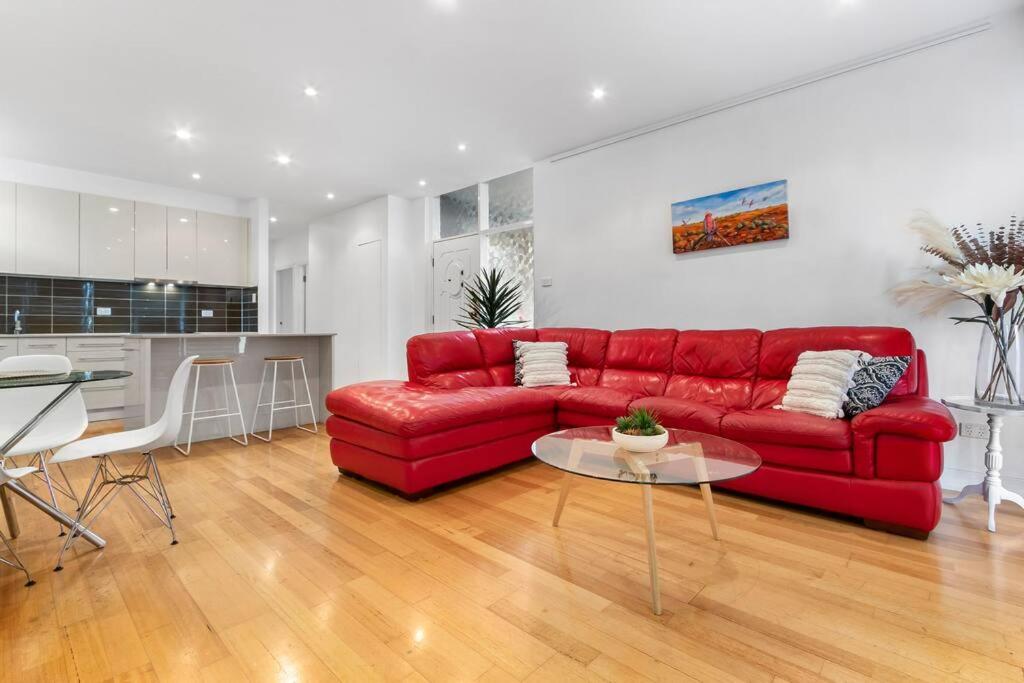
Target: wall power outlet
974,430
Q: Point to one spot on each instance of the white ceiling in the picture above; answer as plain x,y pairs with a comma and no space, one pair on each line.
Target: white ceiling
101,85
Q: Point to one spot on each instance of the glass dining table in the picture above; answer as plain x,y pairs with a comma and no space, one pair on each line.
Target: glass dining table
71,382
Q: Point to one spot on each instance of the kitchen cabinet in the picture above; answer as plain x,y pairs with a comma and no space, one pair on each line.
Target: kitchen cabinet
46,226
150,241
8,236
223,249
42,346
100,353
181,245
105,235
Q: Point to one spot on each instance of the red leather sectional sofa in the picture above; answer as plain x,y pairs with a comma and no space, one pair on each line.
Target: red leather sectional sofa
459,413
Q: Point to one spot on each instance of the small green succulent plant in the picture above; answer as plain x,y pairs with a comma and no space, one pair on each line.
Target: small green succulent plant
639,422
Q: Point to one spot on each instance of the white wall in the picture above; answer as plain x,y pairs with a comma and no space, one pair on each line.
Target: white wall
941,129
333,289
18,171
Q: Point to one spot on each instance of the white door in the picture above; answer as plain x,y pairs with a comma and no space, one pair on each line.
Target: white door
150,240
182,263
283,300
456,262
46,223
370,312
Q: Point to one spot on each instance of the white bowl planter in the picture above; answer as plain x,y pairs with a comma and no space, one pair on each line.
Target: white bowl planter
640,444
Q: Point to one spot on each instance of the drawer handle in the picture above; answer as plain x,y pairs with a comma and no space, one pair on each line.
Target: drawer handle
101,360
116,345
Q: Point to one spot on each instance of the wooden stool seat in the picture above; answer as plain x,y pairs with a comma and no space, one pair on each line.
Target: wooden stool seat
213,361
276,358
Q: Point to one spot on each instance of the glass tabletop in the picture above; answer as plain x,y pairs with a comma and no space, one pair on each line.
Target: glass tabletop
688,458
970,404
74,377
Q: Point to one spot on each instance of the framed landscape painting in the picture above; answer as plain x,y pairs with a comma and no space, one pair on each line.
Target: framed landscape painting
759,213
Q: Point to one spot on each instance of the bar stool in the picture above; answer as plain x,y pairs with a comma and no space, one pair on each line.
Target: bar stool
276,405
227,366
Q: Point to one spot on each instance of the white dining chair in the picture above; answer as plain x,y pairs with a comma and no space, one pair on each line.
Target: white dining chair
7,475
143,479
62,426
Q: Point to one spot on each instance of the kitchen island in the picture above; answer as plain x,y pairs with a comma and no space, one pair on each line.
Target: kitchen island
152,359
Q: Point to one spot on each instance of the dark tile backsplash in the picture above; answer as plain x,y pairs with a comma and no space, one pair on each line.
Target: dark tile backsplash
51,305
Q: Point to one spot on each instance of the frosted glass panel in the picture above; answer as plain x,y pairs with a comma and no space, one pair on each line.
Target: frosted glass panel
512,251
510,199
460,212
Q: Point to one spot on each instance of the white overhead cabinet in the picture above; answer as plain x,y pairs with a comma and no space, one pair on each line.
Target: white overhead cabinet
165,243
47,231
105,235
181,245
150,241
223,249
8,236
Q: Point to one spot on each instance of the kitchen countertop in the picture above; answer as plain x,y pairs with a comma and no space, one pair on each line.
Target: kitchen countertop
193,335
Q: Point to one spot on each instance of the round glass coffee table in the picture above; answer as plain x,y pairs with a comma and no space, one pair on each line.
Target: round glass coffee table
688,458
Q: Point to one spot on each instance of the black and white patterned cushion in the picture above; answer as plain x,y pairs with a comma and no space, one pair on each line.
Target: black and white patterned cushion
873,381
517,353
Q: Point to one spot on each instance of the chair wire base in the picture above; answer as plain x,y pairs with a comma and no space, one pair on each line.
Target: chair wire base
143,481
16,563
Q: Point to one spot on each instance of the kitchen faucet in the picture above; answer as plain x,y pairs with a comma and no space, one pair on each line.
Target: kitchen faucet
17,321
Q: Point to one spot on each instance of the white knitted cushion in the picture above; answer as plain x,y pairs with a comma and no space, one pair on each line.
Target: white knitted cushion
820,382
541,364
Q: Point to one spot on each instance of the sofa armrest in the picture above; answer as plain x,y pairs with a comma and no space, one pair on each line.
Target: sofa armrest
914,416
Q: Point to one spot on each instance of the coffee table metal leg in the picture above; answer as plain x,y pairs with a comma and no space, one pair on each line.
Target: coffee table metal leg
652,551
566,485
10,514
705,492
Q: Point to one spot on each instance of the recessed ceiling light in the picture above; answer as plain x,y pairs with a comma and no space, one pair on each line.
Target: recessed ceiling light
283,159
183,134
114,209
462,147
330,195
273,219
598,93
423,183
310,91
183,220
196,176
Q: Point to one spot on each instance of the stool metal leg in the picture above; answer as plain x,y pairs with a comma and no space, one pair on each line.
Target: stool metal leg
244,441
191,415
309,399
16,563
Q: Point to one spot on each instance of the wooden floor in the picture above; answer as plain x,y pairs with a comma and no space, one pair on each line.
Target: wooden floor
287,572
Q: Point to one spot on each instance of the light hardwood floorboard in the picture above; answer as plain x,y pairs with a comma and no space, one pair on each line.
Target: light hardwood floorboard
286,571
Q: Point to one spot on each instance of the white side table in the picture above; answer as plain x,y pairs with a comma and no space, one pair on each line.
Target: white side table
991,488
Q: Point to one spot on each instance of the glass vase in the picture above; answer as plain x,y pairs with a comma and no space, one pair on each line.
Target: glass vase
997,382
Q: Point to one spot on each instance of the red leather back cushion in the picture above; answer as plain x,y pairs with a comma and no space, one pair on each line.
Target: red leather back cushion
447,360
587,348
496,347
780,349
639,361
715,366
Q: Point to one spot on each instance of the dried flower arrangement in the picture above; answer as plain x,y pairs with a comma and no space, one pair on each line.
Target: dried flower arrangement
985,267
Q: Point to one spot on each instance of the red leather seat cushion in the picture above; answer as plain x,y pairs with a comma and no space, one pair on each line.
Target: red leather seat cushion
680,413
408,409
427,445
595,401
785,427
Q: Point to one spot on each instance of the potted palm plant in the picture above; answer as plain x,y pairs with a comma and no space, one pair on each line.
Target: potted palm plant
492,300
639,431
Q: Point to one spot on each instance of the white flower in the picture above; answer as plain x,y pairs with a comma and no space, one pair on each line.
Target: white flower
983,280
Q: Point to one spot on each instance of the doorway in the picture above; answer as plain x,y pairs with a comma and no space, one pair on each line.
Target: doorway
290,299
456,262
